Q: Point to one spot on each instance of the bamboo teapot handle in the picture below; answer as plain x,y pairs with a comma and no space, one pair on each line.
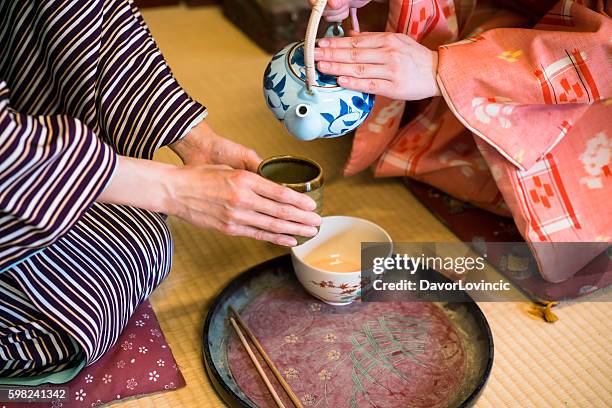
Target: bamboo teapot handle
311,38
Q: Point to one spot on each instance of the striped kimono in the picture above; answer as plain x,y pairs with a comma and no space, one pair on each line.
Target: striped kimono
80,83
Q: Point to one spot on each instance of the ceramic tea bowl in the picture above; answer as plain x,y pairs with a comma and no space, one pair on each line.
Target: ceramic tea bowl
322,109
339,240
298,173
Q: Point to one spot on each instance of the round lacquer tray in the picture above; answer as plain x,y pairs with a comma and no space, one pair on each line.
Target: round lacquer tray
385,354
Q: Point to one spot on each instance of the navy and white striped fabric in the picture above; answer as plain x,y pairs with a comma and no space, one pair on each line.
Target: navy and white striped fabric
30,343
80,83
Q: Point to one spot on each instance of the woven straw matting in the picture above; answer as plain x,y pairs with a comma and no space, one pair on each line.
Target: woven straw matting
566,364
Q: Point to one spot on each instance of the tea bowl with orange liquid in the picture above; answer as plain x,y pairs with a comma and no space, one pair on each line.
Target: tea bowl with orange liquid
329,265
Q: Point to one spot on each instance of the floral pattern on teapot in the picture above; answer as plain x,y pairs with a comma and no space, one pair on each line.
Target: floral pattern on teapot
339,110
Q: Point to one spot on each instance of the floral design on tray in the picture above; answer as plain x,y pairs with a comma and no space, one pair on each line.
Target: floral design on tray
343,358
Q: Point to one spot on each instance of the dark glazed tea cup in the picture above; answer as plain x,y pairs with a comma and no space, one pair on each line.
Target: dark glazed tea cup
298,173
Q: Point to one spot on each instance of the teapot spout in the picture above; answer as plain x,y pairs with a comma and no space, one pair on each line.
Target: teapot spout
303,122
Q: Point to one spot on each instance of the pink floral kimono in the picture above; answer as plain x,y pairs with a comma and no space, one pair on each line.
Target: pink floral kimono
524,125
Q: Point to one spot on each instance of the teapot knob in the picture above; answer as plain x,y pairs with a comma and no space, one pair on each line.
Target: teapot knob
335,30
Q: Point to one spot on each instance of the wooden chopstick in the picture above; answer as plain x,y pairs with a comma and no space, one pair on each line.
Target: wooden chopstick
260,370
264,355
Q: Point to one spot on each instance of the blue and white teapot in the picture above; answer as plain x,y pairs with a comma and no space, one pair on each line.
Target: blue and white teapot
310,103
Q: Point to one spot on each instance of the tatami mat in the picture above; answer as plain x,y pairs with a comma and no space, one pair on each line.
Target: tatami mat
566,364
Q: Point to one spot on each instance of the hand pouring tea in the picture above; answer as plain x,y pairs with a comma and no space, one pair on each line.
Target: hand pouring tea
312,104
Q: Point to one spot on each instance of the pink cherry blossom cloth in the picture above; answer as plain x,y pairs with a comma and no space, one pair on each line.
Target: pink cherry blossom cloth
522,127
140,363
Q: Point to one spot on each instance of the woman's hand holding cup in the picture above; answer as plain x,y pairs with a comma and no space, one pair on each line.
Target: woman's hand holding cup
218,188
239,202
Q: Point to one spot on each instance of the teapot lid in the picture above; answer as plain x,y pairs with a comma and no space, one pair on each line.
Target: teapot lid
295,60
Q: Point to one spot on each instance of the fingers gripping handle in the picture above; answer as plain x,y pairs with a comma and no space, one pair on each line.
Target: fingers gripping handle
309,42
311,39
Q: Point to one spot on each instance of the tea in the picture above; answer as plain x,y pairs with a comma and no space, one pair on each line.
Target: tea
334,263
290,170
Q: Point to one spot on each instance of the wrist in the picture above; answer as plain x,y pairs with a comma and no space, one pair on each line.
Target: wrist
193,143
142,183
184,147
165,196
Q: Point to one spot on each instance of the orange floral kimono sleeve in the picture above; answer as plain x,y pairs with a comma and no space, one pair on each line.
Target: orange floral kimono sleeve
523,90
539,104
